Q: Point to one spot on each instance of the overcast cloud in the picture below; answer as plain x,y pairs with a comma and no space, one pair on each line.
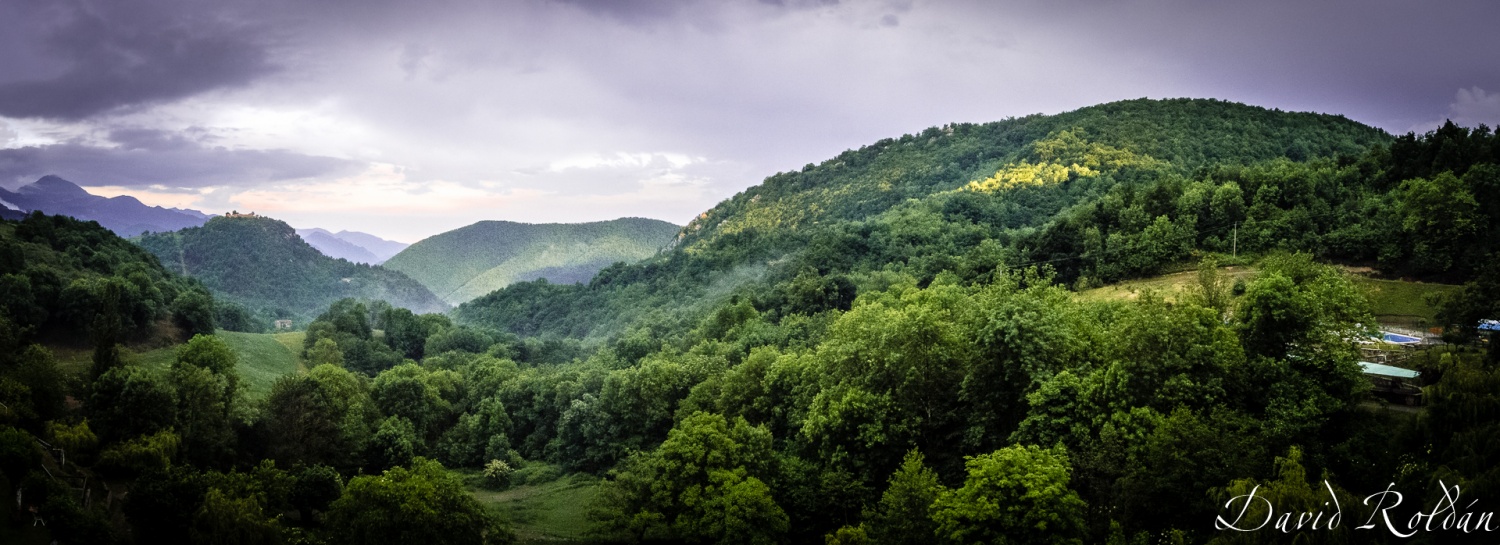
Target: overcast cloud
405,119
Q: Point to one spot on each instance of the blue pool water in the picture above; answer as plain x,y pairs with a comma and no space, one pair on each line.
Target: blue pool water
1396,338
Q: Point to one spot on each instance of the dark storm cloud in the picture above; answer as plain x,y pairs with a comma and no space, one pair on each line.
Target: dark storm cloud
74,59
154,158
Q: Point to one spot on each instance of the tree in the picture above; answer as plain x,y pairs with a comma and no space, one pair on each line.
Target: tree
703,484
1184,456
193,312
889,367
210,353
75,440
1441,217
1018,495
31,385
1212,289
128,401
461,338
422,504
316,488
19,453
227,520
408,391
478,436
904,514
394,444
140,455
318,418
1479,300
405,332
1297,303
325,352
1290,492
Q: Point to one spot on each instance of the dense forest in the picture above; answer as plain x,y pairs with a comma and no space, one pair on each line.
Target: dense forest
471,261
262,267
890,347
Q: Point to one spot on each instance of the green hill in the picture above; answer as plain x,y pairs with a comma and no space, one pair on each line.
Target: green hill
64,281
261,358
1121,140
262,264
964,198
468,262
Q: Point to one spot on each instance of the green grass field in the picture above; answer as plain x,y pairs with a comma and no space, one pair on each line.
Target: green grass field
1391,301
1397,298
293,342
1168,286
262,358
550,512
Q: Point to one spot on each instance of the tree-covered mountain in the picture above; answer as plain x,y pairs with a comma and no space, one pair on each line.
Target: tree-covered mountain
262,264
125,215
471,261
962,197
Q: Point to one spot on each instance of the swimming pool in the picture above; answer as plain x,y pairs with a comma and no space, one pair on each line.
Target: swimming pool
1398,338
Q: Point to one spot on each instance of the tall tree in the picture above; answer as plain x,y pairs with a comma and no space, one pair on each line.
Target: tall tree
1015,495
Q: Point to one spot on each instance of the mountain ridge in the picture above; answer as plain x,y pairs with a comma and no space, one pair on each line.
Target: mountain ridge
351,245
263,264
912,202
471,261
125,215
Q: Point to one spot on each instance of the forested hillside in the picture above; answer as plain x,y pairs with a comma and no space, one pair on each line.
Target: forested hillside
962,197
465,263
75,282
183,451
261,264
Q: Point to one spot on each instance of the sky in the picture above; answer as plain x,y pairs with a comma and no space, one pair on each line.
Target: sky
405,119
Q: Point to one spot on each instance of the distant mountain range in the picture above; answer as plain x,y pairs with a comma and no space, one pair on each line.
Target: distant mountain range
129,217
468,262
352,245
125,215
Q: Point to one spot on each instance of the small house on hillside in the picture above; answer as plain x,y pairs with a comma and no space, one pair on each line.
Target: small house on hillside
237,214
1394,384
283,325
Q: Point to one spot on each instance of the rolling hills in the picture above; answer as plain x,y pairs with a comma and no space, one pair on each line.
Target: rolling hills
471,261
967,197
262,264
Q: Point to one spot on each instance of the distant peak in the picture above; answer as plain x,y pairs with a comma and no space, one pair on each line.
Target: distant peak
53,185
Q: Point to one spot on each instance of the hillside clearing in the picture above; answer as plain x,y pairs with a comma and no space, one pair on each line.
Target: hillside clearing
555,511
1398,302
1168,286
263,357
